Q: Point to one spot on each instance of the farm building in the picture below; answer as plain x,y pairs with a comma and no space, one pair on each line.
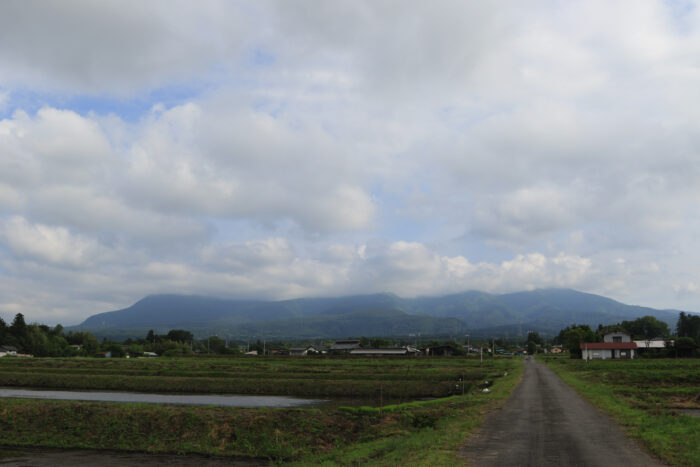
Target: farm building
385,352
615,345
7,350
318,349
443,350
657,343
298,351
345,346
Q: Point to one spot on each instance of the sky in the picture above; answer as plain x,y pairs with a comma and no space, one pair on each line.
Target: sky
284,149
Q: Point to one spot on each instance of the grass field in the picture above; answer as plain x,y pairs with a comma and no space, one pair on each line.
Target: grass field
644,396
426,432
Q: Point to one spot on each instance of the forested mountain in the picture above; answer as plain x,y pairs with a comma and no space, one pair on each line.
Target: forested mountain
545,311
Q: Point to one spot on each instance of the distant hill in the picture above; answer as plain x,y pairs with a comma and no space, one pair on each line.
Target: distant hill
477,313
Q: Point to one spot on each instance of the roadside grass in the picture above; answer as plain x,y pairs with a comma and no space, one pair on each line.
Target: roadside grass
642,396
417,432
439,429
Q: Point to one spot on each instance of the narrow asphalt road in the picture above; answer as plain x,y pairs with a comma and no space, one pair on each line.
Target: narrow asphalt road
546,423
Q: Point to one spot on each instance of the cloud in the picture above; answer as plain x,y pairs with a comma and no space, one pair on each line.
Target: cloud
81,46
54,245
349,147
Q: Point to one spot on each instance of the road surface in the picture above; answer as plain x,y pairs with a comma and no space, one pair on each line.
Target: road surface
546,423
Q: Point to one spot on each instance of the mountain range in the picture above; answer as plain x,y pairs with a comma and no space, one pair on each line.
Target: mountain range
546,311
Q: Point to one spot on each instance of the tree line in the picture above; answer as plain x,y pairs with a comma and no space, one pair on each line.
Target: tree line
41,340
685,342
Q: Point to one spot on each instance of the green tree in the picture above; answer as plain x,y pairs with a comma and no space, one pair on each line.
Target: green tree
573,336
3,330
531,347
689,326
534,337
180,335
18,330
646,327
18,327
88,342
116,350
686,347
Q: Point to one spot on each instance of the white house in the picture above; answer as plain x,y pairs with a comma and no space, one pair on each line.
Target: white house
7,350
615,345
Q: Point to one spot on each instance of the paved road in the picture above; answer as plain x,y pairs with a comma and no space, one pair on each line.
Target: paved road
545,423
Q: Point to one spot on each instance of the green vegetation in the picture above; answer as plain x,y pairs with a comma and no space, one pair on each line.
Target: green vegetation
401,378
424,432
643,396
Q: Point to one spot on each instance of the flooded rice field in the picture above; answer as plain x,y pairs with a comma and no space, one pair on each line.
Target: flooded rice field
179,399
30,457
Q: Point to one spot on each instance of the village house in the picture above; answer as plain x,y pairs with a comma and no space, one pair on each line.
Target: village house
345,346
318,349
616,344
7,350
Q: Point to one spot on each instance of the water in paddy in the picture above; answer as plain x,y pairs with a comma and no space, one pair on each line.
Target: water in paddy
180,399
30,457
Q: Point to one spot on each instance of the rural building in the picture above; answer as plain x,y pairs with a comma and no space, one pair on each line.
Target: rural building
399,351
657,343
617,336
345,346
615,345
299,351
444,350
557,348
7,350
318,349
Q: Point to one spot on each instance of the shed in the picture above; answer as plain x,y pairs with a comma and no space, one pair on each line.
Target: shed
608,350
444,350
380,352
299,351
345,346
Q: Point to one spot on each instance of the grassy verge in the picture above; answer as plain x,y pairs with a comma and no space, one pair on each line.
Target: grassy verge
431,432
642,402
416,433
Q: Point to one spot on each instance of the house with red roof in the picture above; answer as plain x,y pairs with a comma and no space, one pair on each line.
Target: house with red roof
615,345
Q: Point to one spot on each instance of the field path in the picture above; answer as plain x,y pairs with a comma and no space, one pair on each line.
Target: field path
546,423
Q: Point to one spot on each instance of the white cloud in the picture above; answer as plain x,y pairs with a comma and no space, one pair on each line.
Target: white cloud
82,46
354,146
54,245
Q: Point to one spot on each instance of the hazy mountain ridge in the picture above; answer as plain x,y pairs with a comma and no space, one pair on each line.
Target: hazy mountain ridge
544,310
